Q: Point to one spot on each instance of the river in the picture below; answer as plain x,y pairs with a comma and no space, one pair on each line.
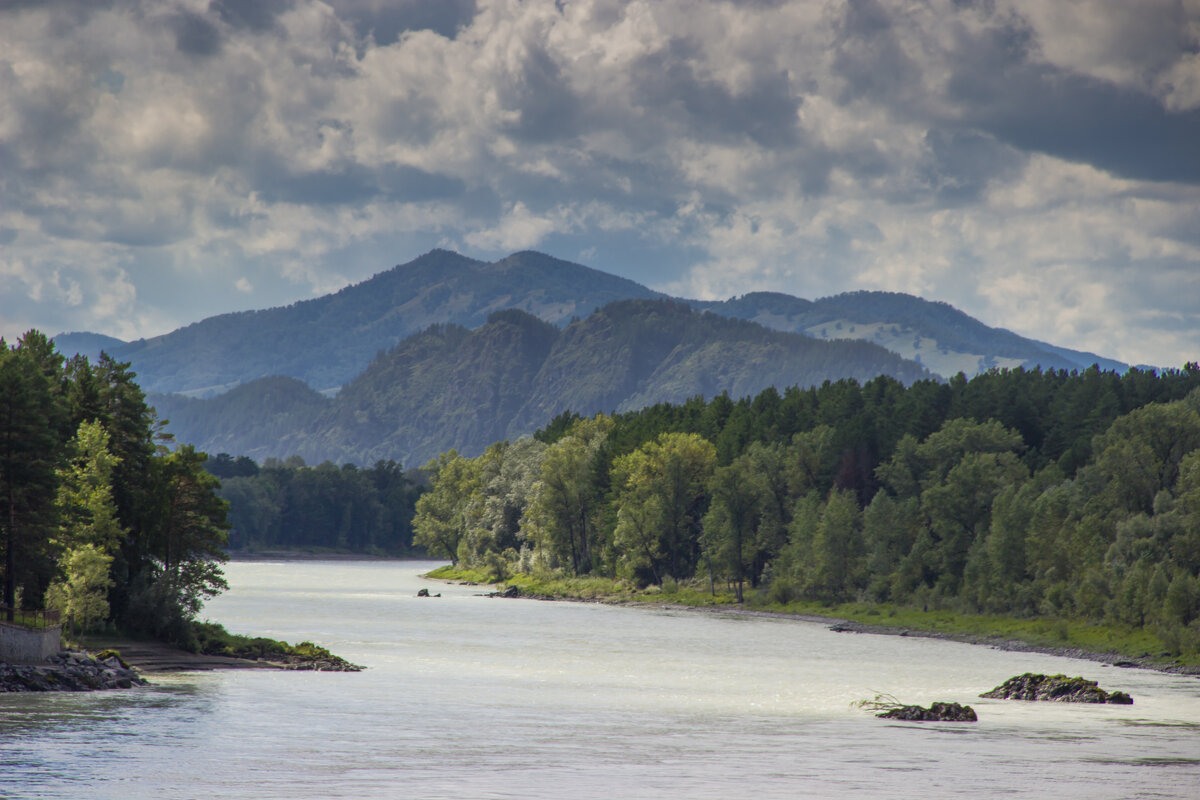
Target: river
473,697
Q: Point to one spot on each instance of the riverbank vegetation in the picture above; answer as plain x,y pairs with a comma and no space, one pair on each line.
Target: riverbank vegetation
99,518
1060,505
211,639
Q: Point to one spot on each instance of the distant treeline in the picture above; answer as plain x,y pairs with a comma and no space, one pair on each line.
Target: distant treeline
287,505
1017,492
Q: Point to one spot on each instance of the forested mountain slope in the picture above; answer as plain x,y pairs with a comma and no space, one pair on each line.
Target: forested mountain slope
248,420
448,387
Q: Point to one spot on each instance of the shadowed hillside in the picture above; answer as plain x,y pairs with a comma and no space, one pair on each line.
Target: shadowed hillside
449,387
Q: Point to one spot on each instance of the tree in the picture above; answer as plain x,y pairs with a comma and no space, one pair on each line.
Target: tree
442,520
120,406
839,563
738,494
82,595
664,483
30,452
509,472
562,515
87,513
186,536
959,507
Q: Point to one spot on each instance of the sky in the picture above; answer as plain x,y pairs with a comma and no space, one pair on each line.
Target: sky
1035,164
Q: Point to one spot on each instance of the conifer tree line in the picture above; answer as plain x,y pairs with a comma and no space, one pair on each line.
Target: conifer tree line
1020,492
99,519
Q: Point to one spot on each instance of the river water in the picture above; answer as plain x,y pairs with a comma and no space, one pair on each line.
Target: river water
474,697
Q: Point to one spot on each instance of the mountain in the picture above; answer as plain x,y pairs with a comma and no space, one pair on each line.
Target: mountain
453,387
936,334
328,340
247,420
85,344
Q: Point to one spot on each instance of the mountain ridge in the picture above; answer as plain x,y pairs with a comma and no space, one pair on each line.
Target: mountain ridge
449,387
327,341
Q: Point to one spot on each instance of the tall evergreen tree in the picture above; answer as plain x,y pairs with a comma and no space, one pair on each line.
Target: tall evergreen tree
30,452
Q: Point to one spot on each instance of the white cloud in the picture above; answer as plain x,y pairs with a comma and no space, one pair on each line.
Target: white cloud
518,229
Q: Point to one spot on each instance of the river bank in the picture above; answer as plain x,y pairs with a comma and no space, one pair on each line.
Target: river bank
841,625
70,671
1119,649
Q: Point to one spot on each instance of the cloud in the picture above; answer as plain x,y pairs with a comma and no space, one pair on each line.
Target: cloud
1032,163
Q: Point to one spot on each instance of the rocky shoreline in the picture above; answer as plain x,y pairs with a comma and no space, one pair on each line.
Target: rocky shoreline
70,671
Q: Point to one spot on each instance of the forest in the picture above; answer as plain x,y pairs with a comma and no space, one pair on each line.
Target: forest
100,519
1018,492
287,505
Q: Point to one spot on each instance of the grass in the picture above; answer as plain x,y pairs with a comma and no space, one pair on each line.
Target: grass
212,639
1041,632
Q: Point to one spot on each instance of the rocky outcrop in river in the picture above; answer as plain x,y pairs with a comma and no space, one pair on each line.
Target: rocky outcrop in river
69,672
938,712
329,663
1058,688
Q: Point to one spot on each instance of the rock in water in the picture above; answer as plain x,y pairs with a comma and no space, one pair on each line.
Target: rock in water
1057,688
938,712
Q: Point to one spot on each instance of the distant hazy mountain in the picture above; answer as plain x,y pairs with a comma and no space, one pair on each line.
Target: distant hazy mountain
89,345
941,337
452,387
328,340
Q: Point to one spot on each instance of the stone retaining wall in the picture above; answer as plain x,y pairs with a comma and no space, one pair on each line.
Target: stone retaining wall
20,645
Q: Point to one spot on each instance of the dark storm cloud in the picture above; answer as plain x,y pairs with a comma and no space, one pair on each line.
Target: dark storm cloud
1078,118
667,83
548,106
351,183
870,59
257,16
386,20
961,164
196,36
1000,85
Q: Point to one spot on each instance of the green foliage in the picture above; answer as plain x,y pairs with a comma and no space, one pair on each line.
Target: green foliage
290,506
883,493
82,594
444,513
661,498
32,439
210,638
87,512
97,516
563,521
